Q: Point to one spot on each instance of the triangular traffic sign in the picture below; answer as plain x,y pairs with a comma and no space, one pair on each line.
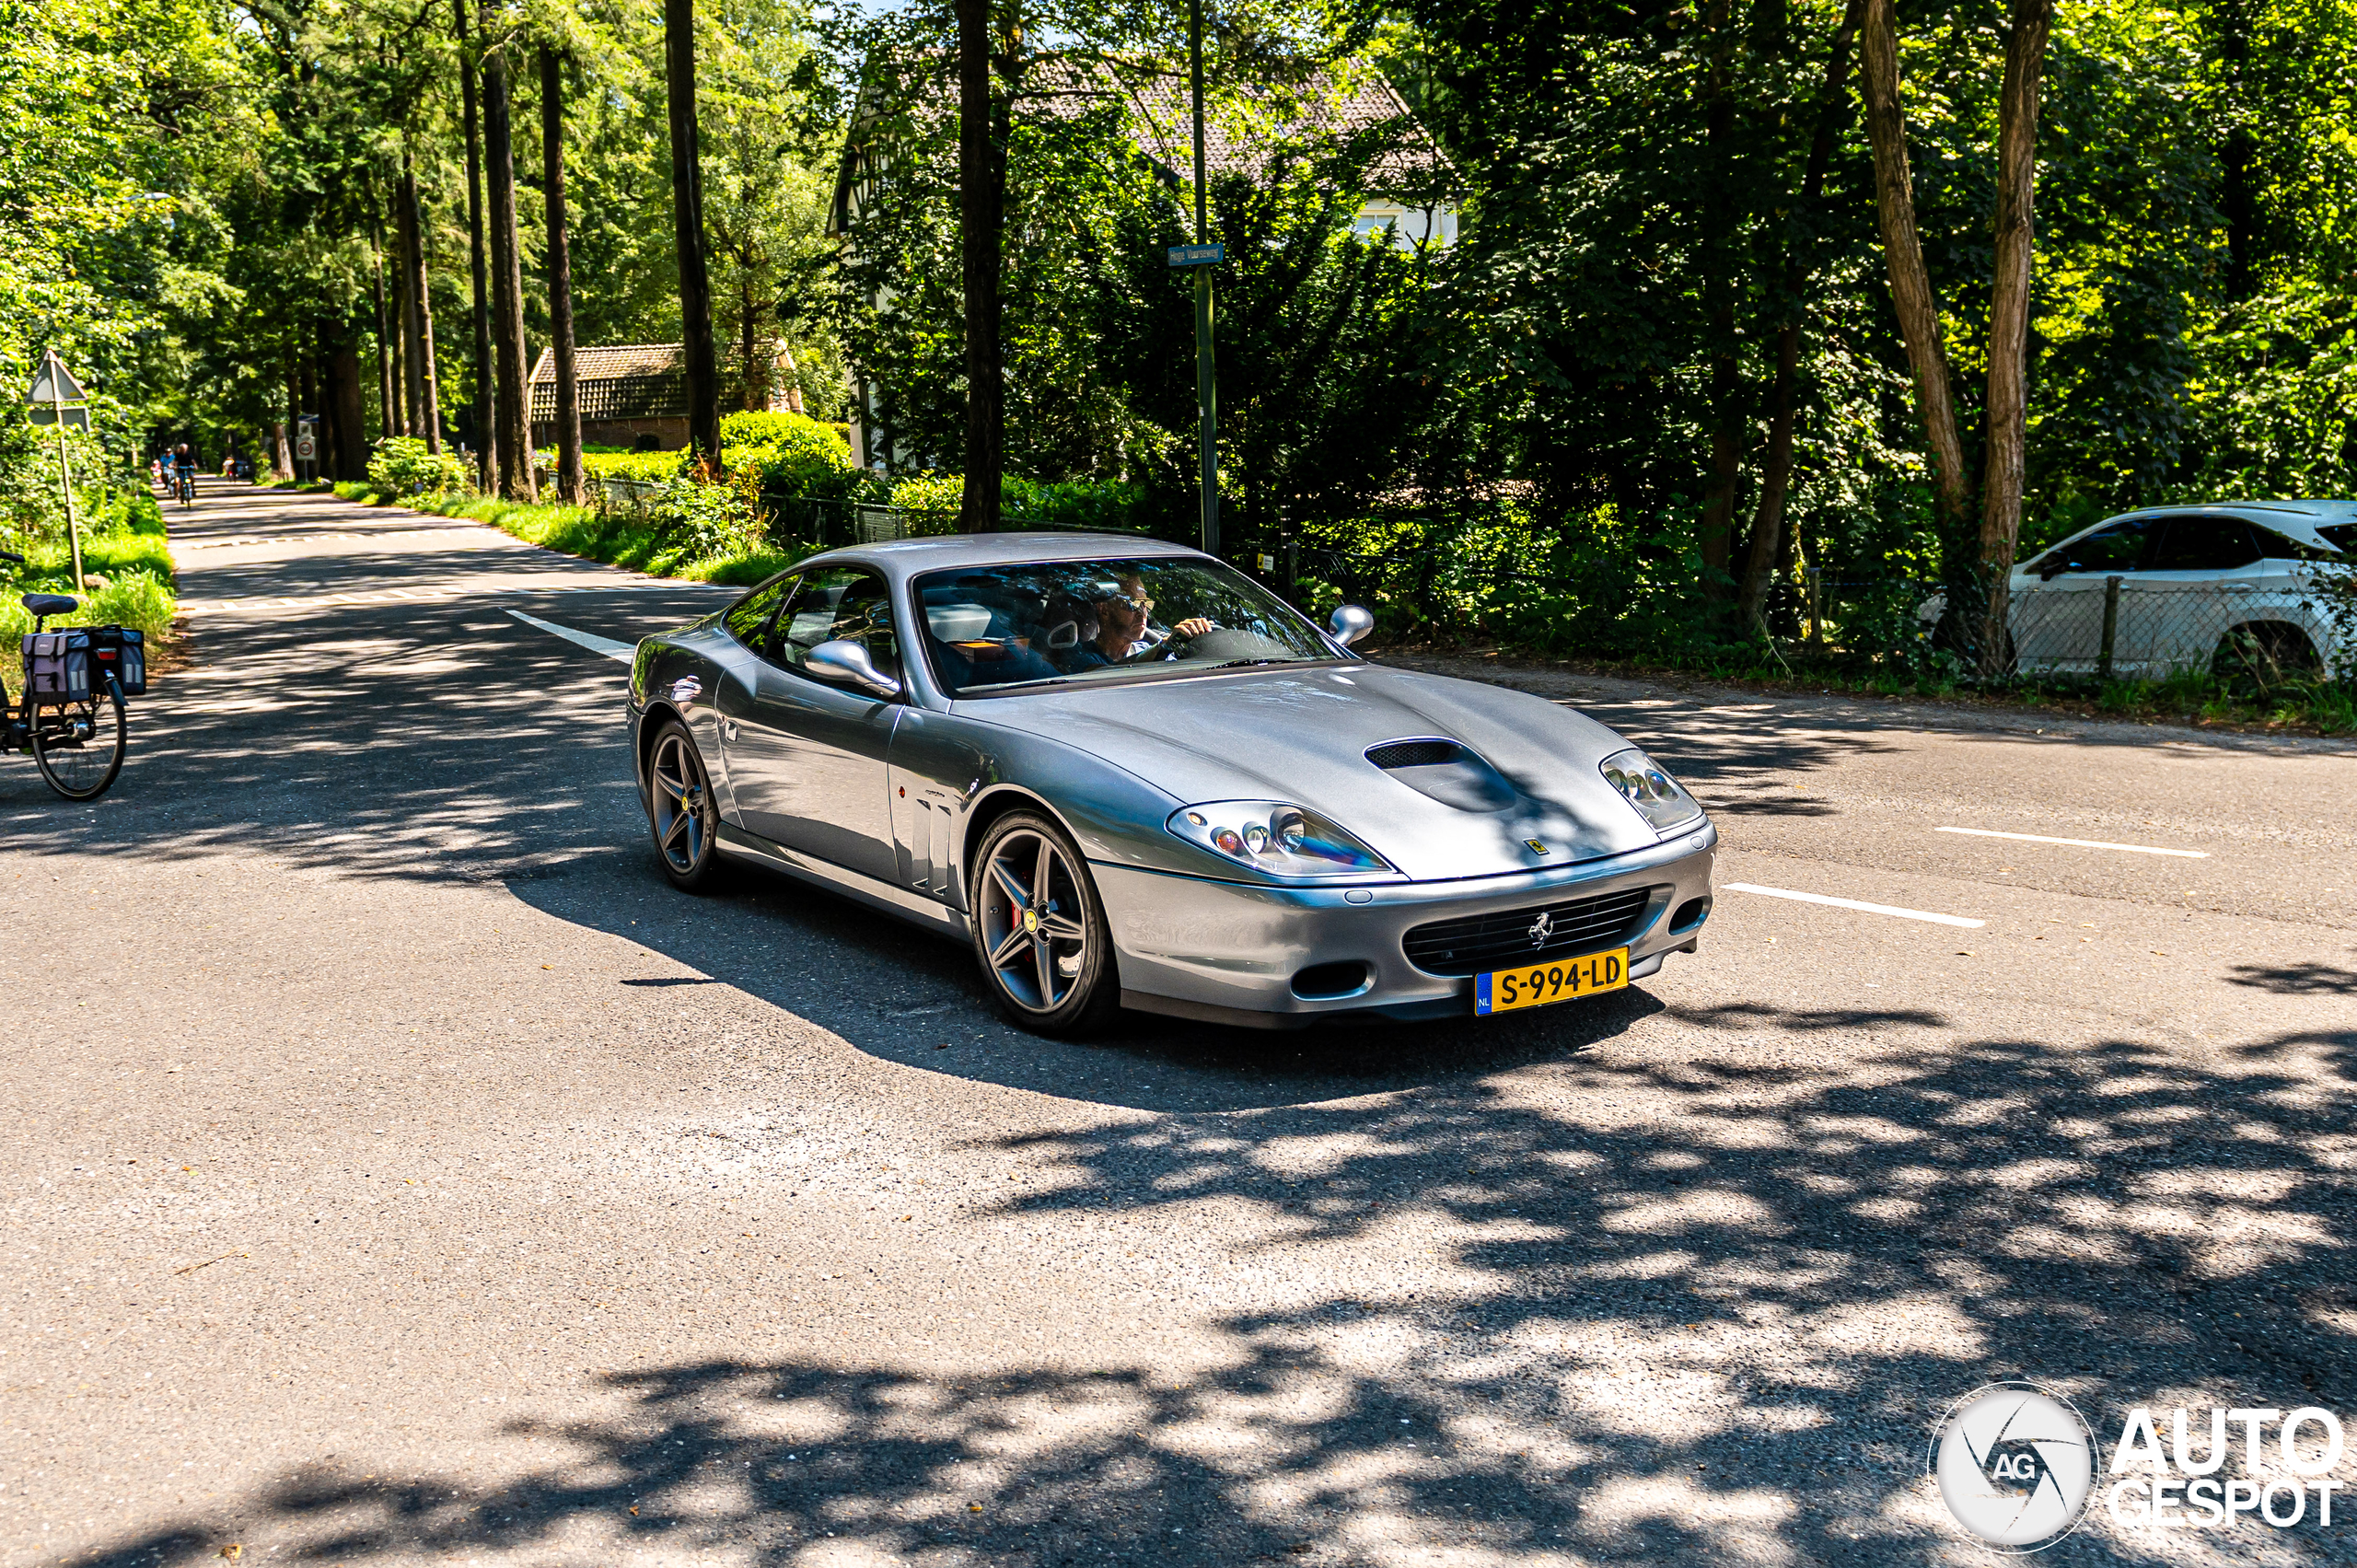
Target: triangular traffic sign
53,382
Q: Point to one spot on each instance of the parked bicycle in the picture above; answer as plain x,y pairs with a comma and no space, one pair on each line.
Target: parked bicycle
70,714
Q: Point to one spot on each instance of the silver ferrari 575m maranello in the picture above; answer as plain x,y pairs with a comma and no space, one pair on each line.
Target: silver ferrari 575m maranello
1132,777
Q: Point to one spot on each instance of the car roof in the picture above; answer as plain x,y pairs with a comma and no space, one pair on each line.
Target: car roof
901,558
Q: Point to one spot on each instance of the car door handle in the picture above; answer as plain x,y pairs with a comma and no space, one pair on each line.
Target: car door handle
728,729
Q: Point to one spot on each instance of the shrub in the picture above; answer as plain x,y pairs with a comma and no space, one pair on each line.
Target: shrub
798,469
705,520
931,503
402,466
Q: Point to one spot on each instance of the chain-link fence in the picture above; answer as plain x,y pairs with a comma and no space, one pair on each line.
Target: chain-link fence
2124,627
2133,627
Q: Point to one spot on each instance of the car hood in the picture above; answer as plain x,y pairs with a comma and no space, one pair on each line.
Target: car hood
1302,735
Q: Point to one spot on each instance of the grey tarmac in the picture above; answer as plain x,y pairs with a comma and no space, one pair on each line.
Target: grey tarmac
401,1173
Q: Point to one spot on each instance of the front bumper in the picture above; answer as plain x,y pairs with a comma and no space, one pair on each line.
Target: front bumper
1230,951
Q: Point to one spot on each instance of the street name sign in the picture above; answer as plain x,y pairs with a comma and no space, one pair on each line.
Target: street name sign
1198,255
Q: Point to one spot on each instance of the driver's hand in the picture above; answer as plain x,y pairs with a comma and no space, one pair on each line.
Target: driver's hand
1194,627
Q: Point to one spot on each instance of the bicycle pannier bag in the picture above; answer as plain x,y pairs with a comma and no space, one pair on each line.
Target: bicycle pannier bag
57,666
123,651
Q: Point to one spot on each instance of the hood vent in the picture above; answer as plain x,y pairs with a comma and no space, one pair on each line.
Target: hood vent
1446,772
1413,753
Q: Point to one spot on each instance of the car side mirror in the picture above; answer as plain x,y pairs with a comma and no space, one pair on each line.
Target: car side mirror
2050,570
1351,623
845,663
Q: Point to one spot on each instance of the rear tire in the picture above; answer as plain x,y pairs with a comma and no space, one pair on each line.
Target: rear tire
79,748
2265,652
1039,929
680,811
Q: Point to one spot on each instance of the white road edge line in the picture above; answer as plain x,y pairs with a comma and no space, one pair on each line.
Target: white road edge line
595,644
1854,904
2080,843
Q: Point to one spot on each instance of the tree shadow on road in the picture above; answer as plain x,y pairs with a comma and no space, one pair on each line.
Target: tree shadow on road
1683,1310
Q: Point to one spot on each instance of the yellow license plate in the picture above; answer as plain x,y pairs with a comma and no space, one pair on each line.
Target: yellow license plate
1557,980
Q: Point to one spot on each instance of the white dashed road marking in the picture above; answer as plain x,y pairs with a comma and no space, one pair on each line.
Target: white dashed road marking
595,644
1849,903
2080,843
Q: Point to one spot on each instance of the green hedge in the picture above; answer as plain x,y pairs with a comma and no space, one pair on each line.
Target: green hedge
933,502
649,467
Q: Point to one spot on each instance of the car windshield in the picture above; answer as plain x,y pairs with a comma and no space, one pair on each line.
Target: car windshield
1000,627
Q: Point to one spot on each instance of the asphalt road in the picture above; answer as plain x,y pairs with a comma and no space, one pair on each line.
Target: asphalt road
400,1172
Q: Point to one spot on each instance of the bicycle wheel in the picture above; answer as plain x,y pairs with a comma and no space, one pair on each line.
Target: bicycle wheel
79,746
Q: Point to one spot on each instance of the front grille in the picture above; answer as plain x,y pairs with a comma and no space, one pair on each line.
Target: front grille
1414,754
1483,942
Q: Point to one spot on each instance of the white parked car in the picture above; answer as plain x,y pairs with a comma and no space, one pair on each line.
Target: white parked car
2199,586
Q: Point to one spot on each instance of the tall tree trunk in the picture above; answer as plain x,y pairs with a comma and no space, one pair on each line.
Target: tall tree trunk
404,339
2006,438
1718,295
480,409
418,331
789,376
282,459
388,404
755,393
981,202
1911,285
568,385
701,361
2238,157
346,435
517,480
1776,469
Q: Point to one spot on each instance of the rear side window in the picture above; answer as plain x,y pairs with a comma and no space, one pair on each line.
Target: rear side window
2196,541
2275,547
2119,547
749,618
841,603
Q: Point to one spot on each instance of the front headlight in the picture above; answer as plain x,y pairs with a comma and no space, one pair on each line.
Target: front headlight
1655,795
1275,837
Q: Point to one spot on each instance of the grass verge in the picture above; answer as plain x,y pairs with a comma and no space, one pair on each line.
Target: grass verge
128,568
618,541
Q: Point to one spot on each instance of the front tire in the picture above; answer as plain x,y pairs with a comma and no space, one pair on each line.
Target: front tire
79,748
681,812
1039,929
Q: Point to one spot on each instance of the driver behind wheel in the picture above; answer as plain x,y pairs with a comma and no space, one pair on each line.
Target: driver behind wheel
1124,627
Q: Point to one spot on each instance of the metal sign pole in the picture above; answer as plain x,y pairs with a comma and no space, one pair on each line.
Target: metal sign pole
56,370
1206,371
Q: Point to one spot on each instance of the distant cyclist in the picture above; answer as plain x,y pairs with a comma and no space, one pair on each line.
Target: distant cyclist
184,473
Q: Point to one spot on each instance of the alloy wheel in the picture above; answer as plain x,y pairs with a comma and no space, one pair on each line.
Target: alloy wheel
682,804
1033,931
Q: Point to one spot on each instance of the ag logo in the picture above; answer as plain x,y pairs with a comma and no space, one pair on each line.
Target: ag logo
2014,1464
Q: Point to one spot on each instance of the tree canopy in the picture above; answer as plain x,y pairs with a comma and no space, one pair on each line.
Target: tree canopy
1660,334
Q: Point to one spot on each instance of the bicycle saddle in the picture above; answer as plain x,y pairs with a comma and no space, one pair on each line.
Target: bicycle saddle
50,604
